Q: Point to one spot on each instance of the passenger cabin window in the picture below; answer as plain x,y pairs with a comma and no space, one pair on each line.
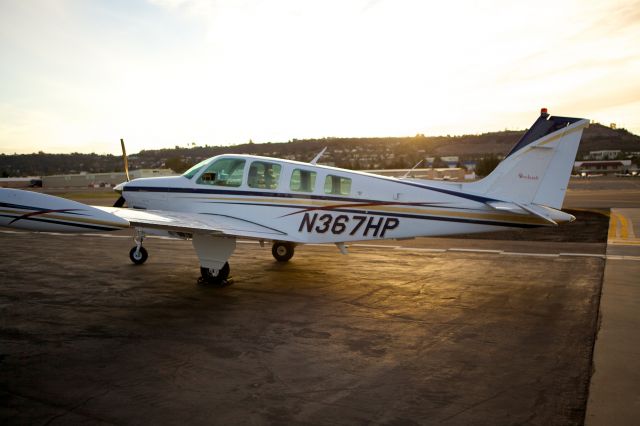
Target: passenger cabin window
337,185
303,180
223,172
264,175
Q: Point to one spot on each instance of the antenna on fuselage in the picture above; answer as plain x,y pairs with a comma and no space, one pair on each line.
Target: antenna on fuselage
317,157
412,169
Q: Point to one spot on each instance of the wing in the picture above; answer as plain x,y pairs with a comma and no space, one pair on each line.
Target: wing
216,224
41,212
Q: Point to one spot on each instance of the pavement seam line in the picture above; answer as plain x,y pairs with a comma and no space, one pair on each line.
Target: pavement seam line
601,256
379,246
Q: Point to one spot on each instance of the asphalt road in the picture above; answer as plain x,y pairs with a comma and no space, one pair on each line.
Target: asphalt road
603,192
383,336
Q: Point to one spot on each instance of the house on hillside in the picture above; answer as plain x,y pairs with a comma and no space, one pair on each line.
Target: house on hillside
605,154
93,180
604,167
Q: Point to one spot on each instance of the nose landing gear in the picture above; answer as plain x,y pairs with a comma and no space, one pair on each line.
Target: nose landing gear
138,254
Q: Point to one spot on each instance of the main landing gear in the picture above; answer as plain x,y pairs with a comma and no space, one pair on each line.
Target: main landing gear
215,277
282,251
213,253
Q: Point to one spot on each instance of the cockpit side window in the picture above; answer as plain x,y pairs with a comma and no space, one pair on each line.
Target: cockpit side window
337,185
195,169
303,180
264,175
223,172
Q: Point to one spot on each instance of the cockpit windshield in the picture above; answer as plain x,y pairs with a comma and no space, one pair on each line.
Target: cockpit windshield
195,169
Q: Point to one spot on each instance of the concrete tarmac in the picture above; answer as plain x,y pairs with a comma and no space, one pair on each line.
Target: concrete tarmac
426,331
603,192
383,336
614,393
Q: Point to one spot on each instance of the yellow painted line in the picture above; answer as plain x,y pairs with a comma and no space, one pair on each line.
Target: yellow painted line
621,230
613,226
632,234
624,226
625,242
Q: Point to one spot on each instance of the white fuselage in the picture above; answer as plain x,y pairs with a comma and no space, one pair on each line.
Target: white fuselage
366,207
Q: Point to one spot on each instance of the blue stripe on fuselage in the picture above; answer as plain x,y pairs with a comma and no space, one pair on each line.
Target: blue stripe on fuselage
129,188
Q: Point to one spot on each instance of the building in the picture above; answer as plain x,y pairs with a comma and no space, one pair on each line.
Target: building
20,182
470,165
605,167
92,180
451,161
606,154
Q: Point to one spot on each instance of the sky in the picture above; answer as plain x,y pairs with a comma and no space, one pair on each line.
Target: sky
78,75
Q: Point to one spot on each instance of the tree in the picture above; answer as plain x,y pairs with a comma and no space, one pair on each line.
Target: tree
486,165
176,164
438,163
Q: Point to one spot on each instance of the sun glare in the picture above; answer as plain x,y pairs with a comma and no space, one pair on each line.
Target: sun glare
165,73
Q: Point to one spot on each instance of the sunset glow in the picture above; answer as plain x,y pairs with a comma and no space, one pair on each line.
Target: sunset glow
80,75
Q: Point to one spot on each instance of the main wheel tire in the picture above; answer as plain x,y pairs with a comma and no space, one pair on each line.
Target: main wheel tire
138,256
282,251
217,278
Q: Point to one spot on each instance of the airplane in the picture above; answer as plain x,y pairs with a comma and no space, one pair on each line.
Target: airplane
292,203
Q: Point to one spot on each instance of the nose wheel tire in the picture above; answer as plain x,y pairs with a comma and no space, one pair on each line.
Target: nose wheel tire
282,252
219,278
138,256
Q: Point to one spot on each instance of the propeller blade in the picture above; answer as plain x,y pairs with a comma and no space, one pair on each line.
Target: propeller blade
119,202
124,157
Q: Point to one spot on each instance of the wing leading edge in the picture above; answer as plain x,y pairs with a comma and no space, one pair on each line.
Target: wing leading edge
215,224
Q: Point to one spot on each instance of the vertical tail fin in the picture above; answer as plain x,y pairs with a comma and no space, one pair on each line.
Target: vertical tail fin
538,167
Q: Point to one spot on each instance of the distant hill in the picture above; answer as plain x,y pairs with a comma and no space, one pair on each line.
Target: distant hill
354,153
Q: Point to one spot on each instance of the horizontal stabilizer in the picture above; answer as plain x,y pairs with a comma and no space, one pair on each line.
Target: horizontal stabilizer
548,214
539,214
506,207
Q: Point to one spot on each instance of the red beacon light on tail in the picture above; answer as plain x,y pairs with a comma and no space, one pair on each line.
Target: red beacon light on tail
544,112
